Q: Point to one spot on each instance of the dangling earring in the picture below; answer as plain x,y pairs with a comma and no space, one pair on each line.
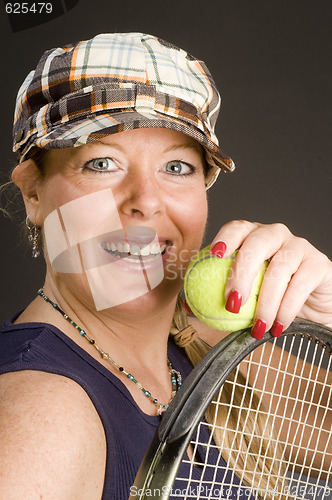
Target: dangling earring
34,232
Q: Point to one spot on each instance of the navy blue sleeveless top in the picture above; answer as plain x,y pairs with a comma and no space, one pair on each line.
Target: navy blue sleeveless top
128,431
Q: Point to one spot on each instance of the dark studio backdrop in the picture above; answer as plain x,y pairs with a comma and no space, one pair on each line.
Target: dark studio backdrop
271,60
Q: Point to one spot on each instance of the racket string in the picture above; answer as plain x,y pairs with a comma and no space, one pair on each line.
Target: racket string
254,443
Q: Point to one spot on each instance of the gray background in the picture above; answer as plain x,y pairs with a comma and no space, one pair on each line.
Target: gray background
271,60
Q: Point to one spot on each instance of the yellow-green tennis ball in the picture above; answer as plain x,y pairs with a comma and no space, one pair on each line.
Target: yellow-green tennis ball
204,287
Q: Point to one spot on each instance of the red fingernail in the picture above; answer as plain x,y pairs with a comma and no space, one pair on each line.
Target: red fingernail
218,249
258,329
187,308
234,302
276,329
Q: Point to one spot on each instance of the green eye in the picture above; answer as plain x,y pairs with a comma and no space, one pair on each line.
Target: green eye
176,167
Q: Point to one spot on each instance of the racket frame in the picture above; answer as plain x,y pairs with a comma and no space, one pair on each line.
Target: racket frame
162,460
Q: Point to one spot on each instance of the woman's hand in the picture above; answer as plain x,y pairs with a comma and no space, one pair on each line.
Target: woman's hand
298,281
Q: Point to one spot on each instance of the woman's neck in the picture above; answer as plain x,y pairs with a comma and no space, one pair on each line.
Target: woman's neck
140,348
134,336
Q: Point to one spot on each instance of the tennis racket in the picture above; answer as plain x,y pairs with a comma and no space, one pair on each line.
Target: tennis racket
252,421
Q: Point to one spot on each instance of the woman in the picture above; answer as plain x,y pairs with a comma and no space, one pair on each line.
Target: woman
116,146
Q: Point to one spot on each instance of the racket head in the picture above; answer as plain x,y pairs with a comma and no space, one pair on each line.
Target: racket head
185,415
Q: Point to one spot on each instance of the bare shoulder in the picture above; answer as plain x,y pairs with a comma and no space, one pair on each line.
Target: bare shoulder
52,440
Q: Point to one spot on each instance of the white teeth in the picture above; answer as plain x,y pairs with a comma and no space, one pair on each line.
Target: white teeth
135,250
146,250
155,248
126,247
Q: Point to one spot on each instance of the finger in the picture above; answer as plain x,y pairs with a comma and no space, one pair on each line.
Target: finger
291,277
302,284
231,236
281,268
260,245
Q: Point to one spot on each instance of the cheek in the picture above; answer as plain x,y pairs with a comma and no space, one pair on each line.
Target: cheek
193,216
59,190
54,193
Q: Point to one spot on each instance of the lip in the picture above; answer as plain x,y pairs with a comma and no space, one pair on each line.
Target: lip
140,235
137,261
134,248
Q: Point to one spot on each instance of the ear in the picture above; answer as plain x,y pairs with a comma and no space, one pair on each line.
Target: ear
27,177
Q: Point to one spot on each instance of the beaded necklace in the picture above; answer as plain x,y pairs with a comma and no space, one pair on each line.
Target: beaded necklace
176,377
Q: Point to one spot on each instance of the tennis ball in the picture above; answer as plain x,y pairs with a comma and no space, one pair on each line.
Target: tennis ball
204,287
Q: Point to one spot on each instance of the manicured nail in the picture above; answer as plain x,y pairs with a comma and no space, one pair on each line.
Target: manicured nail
187,308
276,329
234,302
218,249
258,329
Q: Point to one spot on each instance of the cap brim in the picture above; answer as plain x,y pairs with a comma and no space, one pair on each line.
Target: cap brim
83,131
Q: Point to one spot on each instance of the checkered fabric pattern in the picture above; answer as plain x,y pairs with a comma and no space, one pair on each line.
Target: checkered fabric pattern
112,83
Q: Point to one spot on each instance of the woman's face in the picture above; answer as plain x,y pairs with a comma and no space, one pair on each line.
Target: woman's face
134,200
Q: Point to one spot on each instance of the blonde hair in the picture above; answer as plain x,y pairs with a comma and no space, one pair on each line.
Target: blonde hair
249,464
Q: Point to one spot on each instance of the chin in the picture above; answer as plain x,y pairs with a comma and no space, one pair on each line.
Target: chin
150,304
127,295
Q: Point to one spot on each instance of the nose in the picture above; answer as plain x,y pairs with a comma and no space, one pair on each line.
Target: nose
142,196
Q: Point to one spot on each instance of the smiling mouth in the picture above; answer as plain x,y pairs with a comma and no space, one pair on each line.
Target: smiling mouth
134,252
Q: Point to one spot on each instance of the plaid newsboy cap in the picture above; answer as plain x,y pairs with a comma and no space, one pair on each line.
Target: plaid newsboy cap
116,82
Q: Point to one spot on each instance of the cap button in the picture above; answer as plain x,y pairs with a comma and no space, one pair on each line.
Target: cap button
19,135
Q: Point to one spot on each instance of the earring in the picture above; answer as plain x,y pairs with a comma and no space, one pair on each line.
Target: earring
34,232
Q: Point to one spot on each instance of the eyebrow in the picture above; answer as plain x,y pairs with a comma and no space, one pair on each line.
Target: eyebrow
195,146
108,145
